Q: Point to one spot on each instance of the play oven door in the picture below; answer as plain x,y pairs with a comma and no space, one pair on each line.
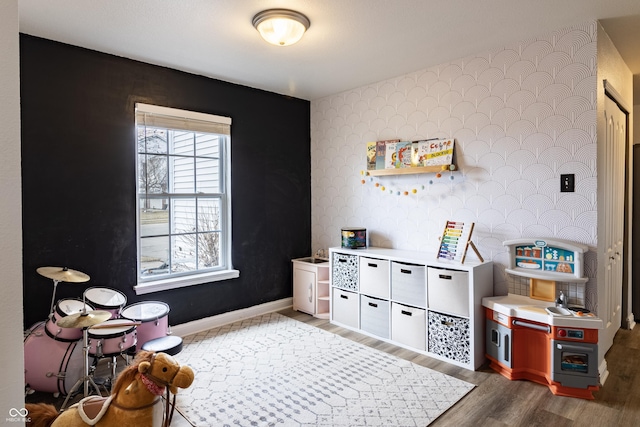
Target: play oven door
575,364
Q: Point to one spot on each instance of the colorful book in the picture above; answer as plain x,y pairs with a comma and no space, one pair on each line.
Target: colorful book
404,153
371,155
391,155
414,154
437,152
381,149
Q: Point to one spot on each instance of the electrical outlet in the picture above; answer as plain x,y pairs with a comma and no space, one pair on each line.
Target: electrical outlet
567,183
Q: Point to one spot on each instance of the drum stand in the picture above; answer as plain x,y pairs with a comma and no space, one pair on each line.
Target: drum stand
86,379
112,362
53,297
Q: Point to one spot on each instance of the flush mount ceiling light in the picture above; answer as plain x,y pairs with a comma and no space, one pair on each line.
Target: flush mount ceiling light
281,27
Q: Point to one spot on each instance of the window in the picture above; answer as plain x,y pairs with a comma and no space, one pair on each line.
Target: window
184,198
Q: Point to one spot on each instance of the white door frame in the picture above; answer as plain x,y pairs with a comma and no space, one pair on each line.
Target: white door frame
628,318
613,242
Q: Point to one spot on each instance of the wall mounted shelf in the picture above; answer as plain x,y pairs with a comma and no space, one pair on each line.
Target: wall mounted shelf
409,171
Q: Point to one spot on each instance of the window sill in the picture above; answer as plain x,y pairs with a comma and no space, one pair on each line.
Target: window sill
182,282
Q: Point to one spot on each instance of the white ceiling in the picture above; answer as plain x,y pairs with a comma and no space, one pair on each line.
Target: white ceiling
350,43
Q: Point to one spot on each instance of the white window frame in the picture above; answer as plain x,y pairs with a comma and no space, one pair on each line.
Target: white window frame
194,121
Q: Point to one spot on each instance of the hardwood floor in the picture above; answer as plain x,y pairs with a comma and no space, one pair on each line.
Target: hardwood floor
499,402
496,401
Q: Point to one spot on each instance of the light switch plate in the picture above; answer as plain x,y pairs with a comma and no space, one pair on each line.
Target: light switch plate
567,183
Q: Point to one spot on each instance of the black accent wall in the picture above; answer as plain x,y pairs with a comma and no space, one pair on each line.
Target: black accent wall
78,178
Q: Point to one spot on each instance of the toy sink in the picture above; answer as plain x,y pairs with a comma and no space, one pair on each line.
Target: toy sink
558,311
312,260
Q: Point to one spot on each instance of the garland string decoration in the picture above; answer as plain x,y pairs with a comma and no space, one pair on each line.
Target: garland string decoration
405,192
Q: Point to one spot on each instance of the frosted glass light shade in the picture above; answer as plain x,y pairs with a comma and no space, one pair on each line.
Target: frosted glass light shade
281,27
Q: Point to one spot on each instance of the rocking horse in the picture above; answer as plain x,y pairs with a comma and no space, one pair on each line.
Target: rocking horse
135,398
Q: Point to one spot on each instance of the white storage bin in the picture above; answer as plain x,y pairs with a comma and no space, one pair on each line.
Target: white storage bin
448,291
344,308
374,277
408,284
374,316
409,326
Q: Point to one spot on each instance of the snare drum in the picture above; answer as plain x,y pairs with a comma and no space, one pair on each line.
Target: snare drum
111,338
154,316
65,307
51,365
106,299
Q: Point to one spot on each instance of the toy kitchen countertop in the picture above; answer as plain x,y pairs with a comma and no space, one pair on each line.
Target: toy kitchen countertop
523,307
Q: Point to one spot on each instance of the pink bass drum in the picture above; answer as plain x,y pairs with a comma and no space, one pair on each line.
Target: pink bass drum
51,365
111,338
65,307
106,299
154,316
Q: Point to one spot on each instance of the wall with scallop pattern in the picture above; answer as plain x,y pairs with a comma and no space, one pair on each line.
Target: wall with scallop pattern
521,116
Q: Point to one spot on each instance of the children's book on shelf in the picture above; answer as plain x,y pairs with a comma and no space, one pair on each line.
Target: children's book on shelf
439,152
371,155
390,155
384,154
404,154
381,149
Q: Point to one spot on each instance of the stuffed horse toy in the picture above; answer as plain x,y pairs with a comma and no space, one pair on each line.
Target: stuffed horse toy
135,398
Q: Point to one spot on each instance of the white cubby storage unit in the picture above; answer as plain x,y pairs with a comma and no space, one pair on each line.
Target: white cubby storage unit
413,300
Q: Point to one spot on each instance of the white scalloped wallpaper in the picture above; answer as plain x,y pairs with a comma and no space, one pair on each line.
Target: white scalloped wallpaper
520,116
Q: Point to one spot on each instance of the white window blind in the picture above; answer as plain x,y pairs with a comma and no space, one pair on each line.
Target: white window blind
172,118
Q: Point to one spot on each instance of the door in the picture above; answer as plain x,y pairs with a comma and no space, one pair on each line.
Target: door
303,290
610,291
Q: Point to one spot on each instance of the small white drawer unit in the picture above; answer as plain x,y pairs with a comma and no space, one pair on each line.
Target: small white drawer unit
414,300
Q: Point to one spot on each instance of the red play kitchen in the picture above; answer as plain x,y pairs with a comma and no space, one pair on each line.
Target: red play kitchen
541,337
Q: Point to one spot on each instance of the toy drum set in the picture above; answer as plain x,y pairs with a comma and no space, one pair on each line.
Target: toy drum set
99,325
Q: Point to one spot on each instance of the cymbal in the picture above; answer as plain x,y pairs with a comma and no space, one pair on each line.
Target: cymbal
83,320
63,274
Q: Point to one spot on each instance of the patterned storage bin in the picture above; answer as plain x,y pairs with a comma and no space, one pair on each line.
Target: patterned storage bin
449,337
344,271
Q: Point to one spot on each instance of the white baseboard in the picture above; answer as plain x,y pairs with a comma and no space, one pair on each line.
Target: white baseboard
603,371
189,328
631,321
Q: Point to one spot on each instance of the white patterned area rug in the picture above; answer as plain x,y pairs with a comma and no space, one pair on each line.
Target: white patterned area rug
272,370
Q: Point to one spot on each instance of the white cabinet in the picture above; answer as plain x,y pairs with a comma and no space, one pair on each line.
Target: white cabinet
311,287
414,300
